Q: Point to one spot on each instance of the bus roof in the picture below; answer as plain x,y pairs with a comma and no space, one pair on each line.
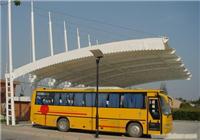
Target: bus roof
101,89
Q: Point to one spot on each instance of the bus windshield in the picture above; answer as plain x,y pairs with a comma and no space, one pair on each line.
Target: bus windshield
166,110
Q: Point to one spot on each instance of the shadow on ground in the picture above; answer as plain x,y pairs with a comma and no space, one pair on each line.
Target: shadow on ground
88,131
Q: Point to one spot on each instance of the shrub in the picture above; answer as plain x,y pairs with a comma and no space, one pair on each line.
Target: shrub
186,114
185,105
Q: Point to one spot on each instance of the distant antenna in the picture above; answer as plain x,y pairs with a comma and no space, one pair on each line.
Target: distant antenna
50,34
89,42
78,39
65,37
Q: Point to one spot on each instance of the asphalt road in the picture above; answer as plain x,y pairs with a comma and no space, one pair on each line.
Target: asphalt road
188,130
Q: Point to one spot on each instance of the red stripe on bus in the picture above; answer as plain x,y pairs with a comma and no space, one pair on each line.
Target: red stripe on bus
74,113
69,113
111,126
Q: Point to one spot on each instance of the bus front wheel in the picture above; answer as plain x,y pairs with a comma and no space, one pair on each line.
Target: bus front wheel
134,130
63,124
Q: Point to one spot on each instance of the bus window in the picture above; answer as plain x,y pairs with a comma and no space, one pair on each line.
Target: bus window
102,99
133,100
44,98
78,99
113,100
38,99
90,99
57,99
166,110
63,99
70,99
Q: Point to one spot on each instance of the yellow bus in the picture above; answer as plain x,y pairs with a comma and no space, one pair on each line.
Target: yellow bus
132,111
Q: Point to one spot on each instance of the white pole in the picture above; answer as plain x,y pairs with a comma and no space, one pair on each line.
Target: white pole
32,32
97,42
10,64
78,39
10,37
65,37
89,42
50,34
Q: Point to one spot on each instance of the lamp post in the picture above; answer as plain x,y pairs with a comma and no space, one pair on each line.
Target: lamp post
98,55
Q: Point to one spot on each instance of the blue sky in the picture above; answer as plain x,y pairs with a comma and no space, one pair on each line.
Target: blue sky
177,20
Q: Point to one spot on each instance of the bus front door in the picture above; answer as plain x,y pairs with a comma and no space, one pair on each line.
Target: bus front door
154,116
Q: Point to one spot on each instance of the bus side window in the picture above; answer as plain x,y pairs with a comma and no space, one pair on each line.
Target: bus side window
102,99
48,99
44,98
38,100
57,99
78,99
63,99
51,99
114,100
133,100
90,99
70,99
122,101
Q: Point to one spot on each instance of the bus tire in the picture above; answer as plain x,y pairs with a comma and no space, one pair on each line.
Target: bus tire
63,124
134,130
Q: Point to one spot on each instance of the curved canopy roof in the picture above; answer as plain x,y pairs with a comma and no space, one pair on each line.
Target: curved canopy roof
125,63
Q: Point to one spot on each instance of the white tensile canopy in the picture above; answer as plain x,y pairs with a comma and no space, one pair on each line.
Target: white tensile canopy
125,63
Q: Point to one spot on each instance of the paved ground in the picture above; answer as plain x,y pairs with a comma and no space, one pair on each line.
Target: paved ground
182,130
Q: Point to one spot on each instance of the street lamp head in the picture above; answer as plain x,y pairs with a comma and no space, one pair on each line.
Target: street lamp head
97,53
17,2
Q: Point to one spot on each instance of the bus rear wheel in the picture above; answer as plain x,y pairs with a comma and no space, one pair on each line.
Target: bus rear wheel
63,125
134,130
